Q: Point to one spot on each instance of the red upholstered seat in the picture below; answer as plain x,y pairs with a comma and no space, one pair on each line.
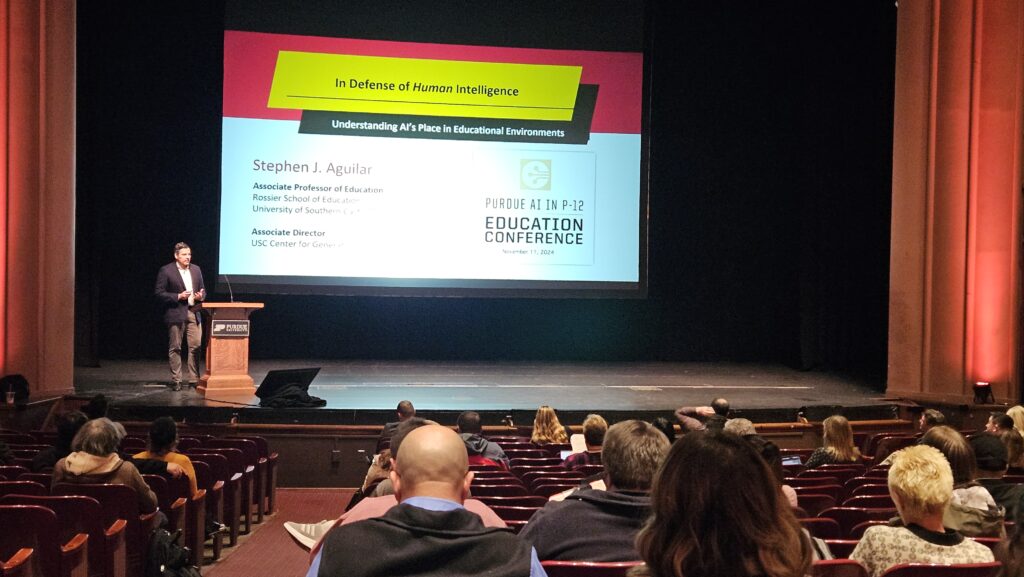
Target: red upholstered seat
231,503
515,501
214,500
858,530
588,568
834,491
811,481
120,502
22,488
868,488
237,464
928,570
838,568
18,565
259,464
80,514
822,528
515,513
508,490
841,548
184,511
871,501
850,517
36,528
271,472
12,472
814,504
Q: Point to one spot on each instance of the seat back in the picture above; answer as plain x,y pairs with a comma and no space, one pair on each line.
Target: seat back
850,517
515,513
514,501
22,488
498,490
813,503
44,479
822,528
81,514
32,527
929,570
119,502
588,568
12,472
871,501
838,568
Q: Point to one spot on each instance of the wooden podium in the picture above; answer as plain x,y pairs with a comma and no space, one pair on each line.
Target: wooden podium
227,350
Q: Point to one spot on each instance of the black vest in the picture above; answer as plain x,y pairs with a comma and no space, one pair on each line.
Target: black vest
409,541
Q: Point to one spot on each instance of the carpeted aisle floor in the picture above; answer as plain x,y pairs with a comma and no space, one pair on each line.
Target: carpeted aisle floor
269,551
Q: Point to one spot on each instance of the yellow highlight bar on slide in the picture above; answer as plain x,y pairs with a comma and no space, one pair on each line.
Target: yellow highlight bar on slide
384,85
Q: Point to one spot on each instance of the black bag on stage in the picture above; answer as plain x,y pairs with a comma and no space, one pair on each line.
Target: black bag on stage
290,396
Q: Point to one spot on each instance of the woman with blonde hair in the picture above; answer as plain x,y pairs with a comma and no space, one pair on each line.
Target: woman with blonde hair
1016,413
547,429
838,447
717,510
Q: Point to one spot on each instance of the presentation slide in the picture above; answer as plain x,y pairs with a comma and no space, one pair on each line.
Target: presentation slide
360,166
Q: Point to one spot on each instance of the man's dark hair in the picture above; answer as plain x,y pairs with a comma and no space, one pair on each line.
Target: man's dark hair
666,427
67,427
404,428
469,422
97,407
406,410
162,434
721,406
934,417
1003,421
181,246
715,422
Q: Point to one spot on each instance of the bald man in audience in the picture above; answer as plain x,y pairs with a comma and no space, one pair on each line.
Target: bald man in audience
429,532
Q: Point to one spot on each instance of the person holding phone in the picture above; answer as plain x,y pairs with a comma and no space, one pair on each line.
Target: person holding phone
179,290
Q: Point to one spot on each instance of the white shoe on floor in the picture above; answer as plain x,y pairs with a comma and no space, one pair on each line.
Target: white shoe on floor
308,534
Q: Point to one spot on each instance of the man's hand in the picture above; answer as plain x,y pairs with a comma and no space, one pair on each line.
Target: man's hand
705,411
175,470
200,295
183,295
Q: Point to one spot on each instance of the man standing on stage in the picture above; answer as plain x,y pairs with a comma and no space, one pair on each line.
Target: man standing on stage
179,288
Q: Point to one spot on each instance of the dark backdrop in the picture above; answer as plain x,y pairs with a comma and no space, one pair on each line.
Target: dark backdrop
770,191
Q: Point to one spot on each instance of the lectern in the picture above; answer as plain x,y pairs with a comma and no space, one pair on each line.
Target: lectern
227,352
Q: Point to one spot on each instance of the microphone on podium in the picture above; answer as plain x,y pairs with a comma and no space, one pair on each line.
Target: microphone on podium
231,293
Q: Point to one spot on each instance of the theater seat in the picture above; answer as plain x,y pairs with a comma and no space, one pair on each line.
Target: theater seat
929,570
838,568
36,528
18,565
588,568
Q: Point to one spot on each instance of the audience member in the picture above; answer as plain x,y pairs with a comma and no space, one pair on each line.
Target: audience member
68,424
481,451
594,428
547,429
94,460
163,440
1010,552
991,460
1016,413
97,407
666,427
384,486
921,484
371,507
429,532
837,438
1014,447
633,451
998,422
771,454
404,412
711,417
740,427
972,511
930,418
716,511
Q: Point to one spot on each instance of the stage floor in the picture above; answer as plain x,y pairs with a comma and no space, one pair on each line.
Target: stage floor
509,386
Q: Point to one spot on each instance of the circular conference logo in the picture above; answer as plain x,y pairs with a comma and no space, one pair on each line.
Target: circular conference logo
535,174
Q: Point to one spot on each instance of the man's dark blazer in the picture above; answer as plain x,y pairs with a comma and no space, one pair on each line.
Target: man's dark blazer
169,285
